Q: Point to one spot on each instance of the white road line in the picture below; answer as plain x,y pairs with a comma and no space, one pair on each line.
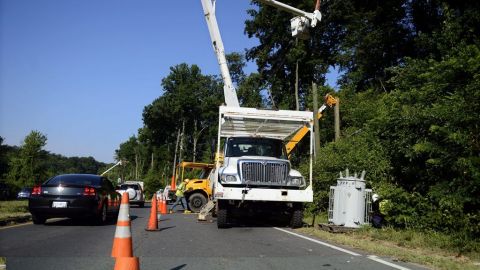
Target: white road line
319,242
371,257
375,258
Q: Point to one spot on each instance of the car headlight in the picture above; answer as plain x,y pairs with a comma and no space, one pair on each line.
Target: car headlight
228,178
296,181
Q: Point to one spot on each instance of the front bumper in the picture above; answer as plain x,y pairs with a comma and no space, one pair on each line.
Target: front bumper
263,194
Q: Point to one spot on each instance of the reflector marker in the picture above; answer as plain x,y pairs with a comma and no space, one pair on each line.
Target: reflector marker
123,232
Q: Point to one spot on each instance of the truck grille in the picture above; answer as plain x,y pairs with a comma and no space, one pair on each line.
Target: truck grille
270,173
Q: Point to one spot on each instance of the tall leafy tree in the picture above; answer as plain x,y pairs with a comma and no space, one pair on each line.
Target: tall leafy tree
25,169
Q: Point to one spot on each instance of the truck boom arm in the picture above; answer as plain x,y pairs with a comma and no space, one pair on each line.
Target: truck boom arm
330,101
229,91
314,17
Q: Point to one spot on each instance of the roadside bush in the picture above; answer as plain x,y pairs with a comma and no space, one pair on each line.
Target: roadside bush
357,153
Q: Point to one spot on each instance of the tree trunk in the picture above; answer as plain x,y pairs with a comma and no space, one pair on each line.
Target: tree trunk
195,138
182,141
175,156
337,120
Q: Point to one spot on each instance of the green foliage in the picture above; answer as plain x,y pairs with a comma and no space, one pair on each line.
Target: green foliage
357,153
13,208
430,129
236,64
152,183
6,153
249,91
30,164
189,96
25,169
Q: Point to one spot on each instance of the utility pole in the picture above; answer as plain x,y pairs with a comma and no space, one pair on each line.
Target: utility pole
316,124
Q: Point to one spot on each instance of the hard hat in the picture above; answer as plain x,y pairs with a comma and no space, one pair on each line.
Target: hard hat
375,197
186,180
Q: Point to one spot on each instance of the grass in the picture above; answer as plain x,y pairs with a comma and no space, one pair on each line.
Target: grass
432,249
13,208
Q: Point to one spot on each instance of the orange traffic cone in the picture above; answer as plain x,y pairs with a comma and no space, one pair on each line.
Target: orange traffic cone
153,221
127,263
164,206
159,209
122,244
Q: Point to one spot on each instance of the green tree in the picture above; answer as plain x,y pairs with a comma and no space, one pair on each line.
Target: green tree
25,169
249,87
430,128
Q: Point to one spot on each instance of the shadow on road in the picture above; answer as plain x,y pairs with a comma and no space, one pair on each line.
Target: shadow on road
166,228
179,267
78,222
82,221
258,221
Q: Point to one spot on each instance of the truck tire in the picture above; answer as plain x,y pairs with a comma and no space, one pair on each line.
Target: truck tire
296,220
196,201
222,216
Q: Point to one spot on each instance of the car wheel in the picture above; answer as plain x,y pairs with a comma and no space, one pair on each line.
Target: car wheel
37,219
101,217
196,202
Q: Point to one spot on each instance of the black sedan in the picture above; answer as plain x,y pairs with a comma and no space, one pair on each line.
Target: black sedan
74,196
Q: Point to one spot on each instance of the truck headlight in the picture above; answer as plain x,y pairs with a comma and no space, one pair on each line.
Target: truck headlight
228,178
296,181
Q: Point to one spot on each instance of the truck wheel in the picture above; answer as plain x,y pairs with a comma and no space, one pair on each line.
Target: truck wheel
37,219
296,220
196,201
222,216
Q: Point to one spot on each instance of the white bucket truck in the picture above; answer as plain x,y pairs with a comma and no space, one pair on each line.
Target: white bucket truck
253,173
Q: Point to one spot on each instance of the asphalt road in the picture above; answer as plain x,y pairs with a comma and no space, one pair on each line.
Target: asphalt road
182,243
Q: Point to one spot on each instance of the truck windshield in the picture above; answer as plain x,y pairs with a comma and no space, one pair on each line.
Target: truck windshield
244,146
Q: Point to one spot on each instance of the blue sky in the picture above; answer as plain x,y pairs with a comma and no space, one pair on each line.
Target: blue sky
81,72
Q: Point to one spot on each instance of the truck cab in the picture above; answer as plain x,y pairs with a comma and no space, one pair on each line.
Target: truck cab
258,162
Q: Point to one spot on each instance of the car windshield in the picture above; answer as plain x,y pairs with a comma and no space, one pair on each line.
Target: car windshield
243,146
74,179
127,186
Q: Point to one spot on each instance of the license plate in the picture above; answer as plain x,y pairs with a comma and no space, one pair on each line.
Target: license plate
59,204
